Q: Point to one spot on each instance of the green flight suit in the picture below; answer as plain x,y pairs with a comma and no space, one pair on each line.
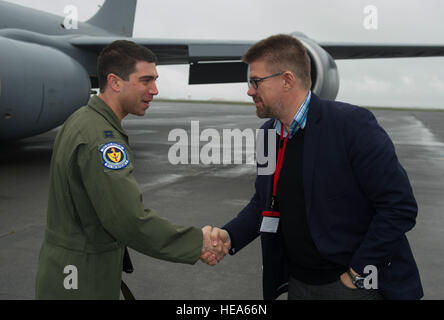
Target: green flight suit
95,209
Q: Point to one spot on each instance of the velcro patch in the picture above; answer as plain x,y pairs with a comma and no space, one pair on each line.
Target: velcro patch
114,156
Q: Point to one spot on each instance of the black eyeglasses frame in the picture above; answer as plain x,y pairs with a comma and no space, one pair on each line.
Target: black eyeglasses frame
255,82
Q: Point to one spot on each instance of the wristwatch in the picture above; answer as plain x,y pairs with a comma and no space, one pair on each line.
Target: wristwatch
357,280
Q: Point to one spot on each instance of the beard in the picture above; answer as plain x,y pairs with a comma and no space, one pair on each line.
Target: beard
267,111
264,112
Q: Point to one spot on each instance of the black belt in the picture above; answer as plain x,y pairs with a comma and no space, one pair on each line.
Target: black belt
127,268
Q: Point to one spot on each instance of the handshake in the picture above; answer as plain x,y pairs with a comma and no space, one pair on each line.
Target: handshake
215,246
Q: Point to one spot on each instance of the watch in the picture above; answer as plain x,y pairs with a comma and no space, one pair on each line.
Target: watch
357,280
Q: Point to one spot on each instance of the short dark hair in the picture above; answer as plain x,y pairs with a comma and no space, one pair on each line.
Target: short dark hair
120,57
282,52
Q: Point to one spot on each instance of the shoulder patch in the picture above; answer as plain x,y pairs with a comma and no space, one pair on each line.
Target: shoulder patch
114,156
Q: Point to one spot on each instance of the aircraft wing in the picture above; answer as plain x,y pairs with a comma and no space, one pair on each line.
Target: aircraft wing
220,61
374,51
171,51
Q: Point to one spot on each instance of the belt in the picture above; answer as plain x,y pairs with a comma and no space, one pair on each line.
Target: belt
79,243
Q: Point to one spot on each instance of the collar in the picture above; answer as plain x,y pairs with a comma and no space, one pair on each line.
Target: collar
299,120
105,111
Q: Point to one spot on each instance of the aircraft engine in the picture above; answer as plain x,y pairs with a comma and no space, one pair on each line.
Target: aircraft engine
39,88
324,72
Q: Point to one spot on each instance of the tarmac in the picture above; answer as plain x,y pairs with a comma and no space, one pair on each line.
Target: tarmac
205,194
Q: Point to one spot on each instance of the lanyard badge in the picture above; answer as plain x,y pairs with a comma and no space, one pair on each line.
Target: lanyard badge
270,219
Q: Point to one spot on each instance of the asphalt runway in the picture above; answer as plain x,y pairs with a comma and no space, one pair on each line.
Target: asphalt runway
199,194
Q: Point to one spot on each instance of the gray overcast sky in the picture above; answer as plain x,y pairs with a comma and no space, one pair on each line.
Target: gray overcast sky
391,82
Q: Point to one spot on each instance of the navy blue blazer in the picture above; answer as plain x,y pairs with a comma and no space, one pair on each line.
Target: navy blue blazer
359,203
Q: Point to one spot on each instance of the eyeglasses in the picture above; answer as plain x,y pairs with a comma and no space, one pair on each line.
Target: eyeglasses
255,82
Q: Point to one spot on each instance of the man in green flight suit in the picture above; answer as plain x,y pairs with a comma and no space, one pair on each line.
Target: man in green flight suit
95,206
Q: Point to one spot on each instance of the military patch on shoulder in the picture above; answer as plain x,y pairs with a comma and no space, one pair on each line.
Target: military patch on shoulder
114,156
108,134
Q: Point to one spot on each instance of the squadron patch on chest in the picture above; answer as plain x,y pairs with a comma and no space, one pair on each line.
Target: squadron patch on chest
114,156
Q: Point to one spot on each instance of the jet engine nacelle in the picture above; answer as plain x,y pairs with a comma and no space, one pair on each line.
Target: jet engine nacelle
39,88
324,72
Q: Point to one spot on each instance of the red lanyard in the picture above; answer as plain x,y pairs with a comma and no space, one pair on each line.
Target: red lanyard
280,159
272,212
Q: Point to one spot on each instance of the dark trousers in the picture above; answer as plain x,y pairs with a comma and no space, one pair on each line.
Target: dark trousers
298,290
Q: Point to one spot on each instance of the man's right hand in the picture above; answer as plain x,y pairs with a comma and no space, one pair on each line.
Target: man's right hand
215,246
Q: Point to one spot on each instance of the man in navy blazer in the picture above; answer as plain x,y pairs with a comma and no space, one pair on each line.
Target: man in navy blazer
344,202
